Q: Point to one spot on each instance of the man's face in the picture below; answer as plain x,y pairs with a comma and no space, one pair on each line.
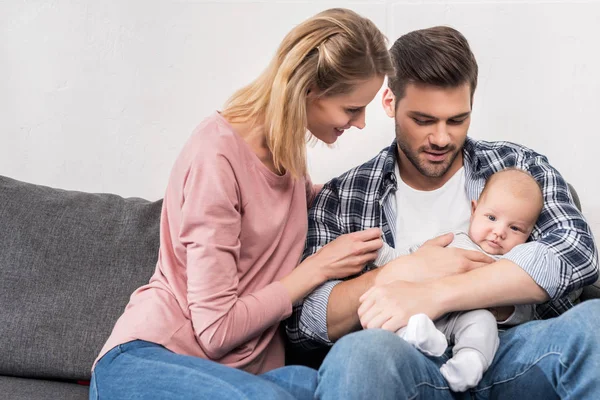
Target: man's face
431,128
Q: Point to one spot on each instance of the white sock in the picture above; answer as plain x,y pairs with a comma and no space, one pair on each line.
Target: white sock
424,336
464,370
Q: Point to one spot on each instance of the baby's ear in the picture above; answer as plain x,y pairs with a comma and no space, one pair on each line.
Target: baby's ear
473,206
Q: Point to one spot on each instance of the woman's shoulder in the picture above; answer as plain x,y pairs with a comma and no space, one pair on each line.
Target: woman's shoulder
214,135
212,142
212,149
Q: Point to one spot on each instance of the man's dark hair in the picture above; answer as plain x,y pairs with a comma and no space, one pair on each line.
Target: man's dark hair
438,56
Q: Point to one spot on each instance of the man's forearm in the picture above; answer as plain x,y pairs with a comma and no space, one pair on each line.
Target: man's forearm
342,307
502,283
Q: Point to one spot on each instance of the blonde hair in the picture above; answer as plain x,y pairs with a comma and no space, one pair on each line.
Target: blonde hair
332,52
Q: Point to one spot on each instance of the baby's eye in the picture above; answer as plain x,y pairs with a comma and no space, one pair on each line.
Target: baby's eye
515,228
491,218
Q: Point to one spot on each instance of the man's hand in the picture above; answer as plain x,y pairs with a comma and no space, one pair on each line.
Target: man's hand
390,306
432,261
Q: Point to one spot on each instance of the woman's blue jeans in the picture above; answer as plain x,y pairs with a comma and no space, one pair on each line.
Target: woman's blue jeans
145,370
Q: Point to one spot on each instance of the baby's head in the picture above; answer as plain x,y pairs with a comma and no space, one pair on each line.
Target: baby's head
506,211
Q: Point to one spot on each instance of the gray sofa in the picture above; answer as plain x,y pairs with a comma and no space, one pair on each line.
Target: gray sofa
69,262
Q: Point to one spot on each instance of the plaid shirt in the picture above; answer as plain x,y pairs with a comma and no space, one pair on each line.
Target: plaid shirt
560,256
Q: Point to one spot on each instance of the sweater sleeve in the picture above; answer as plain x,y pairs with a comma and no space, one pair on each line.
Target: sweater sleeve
210,231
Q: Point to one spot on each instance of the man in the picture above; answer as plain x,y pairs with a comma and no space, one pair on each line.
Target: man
421,185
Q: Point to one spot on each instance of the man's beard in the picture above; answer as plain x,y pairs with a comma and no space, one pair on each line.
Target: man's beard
428,168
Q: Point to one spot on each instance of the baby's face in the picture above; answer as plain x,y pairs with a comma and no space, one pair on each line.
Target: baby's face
500,222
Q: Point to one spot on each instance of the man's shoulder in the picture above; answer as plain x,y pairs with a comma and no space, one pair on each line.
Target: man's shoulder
488,157
499,146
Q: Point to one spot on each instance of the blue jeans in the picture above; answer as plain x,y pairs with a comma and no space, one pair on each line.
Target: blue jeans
551,359
145,370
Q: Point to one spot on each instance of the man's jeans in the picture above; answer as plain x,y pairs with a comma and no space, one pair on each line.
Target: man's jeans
551,359
145,370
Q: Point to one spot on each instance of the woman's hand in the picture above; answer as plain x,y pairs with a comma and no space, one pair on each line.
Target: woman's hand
347,255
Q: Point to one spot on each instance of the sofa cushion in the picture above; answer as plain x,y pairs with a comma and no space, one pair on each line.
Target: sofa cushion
37,389
69,262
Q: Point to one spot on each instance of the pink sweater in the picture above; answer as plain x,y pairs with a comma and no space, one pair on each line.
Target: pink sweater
230,229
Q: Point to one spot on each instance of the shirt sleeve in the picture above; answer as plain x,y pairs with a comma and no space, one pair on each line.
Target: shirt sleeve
307,328
562,255
210,231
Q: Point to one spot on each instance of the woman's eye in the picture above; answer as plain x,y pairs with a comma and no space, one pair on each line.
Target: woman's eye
352,110
491,218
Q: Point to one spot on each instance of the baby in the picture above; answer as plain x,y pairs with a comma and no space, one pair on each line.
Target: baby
501,219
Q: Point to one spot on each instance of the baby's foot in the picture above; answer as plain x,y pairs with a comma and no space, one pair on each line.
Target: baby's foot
464,370
424,336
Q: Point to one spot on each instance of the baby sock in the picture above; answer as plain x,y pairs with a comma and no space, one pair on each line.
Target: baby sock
464,370
424,336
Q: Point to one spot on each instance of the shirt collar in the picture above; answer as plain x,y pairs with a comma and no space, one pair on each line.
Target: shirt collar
476,159
473,161
390,156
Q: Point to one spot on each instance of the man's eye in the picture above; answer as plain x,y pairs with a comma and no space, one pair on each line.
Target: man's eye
456,121
491,218
422,121
352,110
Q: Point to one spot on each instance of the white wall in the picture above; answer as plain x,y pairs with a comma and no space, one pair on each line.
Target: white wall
100,95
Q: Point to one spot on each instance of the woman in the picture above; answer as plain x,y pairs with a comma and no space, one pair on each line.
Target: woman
233,227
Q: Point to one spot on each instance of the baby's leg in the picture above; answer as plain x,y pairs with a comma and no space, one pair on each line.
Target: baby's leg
476,342
424,336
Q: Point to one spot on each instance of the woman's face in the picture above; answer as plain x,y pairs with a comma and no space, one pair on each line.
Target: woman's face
329,116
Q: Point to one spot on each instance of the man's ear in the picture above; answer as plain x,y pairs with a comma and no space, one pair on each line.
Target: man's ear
388,100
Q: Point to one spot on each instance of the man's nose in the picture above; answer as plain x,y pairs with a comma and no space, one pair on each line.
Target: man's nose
440,136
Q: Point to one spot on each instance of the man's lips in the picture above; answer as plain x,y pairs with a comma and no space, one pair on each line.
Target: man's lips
436,156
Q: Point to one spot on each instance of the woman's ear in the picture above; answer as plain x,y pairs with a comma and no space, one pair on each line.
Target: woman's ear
312,92
388,100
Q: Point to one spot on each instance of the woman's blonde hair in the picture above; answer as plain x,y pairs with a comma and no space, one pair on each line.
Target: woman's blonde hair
332,52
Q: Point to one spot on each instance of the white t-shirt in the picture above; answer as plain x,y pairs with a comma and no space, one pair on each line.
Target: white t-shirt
423,215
